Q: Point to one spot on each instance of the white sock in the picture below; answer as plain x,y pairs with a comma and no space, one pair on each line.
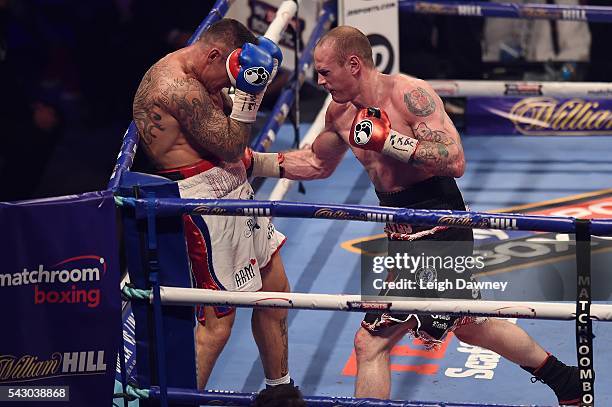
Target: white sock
286,379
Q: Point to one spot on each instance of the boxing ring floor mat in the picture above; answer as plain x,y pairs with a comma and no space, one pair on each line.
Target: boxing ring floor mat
502,171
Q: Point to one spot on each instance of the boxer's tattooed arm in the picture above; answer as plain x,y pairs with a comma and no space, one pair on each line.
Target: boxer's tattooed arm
437,151
147,114
419,102
204,122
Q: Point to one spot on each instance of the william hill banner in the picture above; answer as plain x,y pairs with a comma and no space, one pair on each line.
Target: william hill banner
60,301
539,116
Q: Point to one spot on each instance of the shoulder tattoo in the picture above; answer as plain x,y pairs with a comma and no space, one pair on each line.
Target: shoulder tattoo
419,102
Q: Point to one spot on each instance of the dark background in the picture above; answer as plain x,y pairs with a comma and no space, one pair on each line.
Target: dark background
69,70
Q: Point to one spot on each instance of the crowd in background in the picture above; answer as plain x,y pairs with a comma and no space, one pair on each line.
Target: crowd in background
69,70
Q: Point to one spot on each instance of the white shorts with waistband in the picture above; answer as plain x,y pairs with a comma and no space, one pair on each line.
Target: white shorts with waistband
237,247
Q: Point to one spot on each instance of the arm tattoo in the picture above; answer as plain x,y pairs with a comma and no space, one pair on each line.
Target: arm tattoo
424,133
147,120
206,123
433,148
202,121
419,102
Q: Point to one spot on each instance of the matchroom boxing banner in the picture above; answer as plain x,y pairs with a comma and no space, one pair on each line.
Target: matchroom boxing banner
539,116
60,301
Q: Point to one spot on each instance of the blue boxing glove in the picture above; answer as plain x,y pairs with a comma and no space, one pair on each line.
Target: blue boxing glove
249,69
275,52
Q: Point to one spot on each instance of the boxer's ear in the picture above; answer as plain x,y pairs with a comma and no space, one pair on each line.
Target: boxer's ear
214,54
354,64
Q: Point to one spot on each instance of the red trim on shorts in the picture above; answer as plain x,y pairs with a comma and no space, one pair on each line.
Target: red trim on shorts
275,251
187,171
200,269
198,255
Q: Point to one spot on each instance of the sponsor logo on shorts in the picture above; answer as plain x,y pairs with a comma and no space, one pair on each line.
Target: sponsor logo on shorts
30,367
426,274
66,282
250,226
271,230
245,274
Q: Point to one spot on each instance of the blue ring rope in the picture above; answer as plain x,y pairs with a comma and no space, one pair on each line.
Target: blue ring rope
229,398
285,209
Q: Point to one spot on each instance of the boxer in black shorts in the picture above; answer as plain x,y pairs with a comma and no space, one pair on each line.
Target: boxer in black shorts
397,128
424,241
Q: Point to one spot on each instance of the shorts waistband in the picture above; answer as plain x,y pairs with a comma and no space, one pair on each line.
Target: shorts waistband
432,193
186,171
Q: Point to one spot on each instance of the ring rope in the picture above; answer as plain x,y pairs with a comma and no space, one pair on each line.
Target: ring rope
464,219
356,303
600,14
131,293
471,88
230,398
281,108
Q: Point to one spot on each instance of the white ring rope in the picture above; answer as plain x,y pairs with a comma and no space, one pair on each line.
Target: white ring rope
356,303
591,90
284,14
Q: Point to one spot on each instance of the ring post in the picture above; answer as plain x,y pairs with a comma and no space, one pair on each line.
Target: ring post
584,325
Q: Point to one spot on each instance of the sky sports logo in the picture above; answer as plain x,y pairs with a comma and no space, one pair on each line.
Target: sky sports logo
74,271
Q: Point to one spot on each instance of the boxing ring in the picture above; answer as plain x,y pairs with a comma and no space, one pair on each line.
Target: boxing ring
504,175
333,234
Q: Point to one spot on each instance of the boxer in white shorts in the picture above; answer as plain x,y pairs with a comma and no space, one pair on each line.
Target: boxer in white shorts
195,135
226,252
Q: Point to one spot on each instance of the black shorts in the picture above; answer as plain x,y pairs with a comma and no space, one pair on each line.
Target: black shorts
441,243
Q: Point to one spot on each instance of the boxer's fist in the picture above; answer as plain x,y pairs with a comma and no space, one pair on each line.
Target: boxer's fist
247,160
263,164
249,68
371,130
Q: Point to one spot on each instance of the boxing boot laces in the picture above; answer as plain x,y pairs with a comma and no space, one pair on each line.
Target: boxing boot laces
562,379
